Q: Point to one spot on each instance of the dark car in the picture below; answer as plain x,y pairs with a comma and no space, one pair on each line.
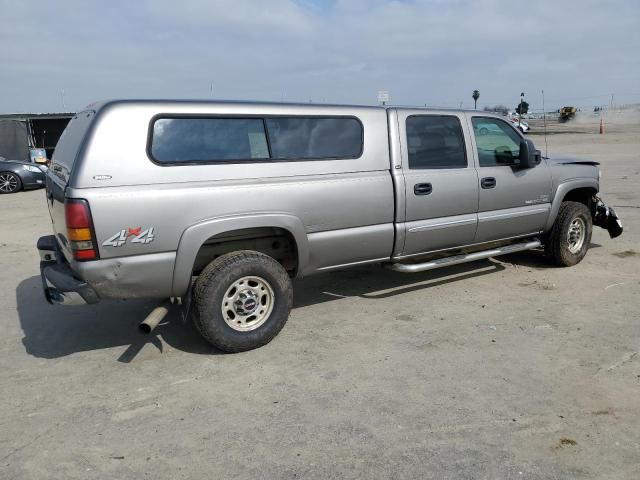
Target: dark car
16,175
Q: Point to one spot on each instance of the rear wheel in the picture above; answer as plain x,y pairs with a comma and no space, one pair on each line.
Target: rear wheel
570,236
9,182
242,300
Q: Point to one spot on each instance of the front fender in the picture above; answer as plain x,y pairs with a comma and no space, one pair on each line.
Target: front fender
195,236
561,192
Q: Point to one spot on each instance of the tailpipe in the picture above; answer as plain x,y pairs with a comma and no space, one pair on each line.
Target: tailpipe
155,317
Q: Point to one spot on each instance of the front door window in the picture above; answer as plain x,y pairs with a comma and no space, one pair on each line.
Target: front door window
497,142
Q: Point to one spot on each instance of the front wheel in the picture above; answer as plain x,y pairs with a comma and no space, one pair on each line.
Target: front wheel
570,236
9,182
242,300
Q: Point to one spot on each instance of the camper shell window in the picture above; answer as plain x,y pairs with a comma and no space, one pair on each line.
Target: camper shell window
197,140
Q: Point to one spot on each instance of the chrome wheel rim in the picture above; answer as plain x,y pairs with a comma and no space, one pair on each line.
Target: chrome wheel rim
8,183
576,235
247,303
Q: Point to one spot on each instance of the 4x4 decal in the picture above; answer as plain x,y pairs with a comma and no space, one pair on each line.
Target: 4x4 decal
139,236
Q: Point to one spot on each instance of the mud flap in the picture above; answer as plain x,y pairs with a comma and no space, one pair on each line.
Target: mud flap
186,304
606,217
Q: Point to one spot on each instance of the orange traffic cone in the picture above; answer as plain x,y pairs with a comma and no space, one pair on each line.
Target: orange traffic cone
601,126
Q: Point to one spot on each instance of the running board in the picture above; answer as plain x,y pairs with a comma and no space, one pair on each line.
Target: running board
455,260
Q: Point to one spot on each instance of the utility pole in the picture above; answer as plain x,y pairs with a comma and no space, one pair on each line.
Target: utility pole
383,97
544,118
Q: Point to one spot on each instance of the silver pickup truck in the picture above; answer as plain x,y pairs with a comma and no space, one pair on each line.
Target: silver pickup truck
219,204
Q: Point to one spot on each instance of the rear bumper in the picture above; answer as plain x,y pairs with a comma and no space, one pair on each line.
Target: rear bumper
59,283
136,276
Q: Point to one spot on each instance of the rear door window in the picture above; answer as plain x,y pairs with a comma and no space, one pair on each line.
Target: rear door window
435,141
196,140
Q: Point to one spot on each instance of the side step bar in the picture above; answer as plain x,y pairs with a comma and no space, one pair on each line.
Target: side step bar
455,260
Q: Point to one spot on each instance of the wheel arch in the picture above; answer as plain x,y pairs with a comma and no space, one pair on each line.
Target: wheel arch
196,242
578,190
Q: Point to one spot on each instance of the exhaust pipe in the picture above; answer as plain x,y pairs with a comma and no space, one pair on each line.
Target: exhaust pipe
155,317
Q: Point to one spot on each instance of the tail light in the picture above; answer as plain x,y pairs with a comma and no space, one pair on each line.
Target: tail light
80,230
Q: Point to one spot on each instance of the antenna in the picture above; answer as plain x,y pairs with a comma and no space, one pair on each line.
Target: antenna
544,118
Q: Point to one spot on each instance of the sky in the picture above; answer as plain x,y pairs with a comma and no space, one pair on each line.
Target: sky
63,55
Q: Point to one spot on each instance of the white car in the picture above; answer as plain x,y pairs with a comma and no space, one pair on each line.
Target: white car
519,124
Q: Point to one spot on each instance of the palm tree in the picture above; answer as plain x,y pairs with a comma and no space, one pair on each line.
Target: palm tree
475,96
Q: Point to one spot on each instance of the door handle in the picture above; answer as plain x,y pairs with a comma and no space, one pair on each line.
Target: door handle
422,188
488,182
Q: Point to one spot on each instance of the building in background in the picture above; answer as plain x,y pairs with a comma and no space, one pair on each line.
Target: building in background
23,136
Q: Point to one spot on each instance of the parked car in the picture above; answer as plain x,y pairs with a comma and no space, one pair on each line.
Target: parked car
147,196
519,124
16,175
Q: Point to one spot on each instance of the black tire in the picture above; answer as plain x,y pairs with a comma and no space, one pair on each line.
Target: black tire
558,246
213,286
10,182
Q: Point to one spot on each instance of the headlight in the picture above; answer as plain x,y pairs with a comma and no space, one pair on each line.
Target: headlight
599,174
33,169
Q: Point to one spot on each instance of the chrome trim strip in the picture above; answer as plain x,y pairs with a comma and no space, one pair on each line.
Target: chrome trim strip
429,252
354,264
436,226
519,213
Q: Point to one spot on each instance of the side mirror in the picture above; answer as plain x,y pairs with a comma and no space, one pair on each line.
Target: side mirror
529,157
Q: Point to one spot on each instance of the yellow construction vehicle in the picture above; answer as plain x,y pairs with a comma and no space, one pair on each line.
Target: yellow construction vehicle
567,113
